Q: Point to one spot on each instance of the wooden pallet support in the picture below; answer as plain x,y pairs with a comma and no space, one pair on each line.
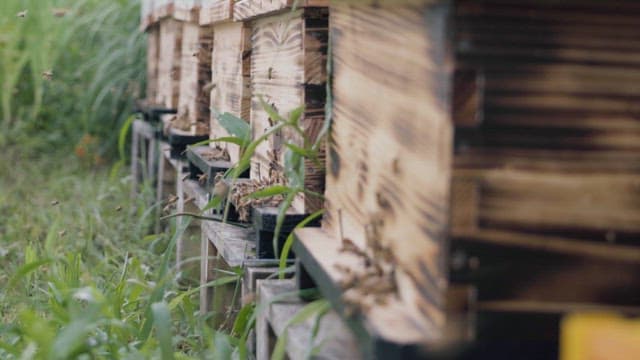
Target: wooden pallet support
334,340
145,155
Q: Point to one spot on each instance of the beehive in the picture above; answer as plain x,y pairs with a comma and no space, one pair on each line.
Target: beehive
170,54
389,169
214,11
162,9
148,24
247,9
197,42
187,10
288,70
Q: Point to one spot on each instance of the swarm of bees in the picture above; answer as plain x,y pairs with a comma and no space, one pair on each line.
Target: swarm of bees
374,283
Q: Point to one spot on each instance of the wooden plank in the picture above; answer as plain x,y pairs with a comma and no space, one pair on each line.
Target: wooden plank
249,9
169,64
388,329
288,70
233,243
333,338
215,11
162,9
187,10
231,66
390,161
563,272
195,74
598,207
153,63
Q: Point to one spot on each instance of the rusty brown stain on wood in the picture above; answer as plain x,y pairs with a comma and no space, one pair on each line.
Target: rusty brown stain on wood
391,112
288,69
231,91
169,63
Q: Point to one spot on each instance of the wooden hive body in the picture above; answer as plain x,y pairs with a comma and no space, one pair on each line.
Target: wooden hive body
153,61
231,79
146,14
169,64
288,70
162,9
187,10
197,43
389,157
249,9
214,11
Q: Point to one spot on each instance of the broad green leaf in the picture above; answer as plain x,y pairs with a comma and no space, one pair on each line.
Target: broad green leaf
235,126
295,115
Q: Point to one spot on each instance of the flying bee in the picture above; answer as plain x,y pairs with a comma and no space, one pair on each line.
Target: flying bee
22,14
47,75
202,178
55,203
62,233
59,12
118,208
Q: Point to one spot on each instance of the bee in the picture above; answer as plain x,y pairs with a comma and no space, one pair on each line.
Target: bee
118,208
62,233
47,75
208,87
59,12
186,177
202,178
55,203
22,14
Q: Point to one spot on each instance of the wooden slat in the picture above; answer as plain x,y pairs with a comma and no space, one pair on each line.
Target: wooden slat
288,69
195,74
163,9
248,9
215,11
153,63
231,61
169,64
390,149
187,10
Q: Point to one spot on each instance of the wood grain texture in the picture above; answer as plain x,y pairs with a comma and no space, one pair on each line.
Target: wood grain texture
391,142
248,9
231,61
153,62
215,11
187,10
288,70
558,151
197,43
169,64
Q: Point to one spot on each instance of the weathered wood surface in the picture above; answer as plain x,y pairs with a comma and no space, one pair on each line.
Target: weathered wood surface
187,10
233,243
333,338
231,66
153,62
162,9
248,9
288,70
391,146
557,150
195,68
169,63
215,11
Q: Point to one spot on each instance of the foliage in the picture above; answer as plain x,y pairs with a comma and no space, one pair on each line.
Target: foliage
69,69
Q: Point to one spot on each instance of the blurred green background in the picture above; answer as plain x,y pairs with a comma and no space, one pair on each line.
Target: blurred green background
95,54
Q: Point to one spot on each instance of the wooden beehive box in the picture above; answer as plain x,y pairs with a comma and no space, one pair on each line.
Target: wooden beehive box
247,9
170,54
230,66
146,14
150,26
510,163
548,142
288,70
187,10
162,9
193,107
389,169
